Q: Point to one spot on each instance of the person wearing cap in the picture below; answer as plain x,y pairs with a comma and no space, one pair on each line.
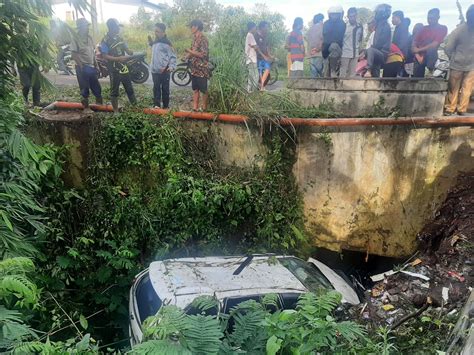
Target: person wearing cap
163,62
82,52
314,37
333,38
460,50
350,49
114,49
198,56
295,46
377,54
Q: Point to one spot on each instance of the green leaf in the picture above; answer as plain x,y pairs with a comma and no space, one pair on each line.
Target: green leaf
83,321
273,345
6,220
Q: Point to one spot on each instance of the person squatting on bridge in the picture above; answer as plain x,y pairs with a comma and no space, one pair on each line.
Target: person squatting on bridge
198,56
163,62
82,51
460,50
114,49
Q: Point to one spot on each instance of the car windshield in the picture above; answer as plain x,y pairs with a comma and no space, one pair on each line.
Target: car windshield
147,300
308,274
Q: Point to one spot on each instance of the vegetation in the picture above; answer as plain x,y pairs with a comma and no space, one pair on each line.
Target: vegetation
252,328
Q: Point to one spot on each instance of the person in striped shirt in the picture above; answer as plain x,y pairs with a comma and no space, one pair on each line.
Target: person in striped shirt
295,47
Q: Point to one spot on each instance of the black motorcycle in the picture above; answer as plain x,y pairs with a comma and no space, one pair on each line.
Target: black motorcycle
137,67
181,76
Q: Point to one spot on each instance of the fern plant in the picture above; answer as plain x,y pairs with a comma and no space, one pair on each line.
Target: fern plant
16,289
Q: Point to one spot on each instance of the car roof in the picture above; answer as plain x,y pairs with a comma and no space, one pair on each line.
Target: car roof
180,281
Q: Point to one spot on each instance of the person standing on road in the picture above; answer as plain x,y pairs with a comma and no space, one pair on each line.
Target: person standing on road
163,62
350,48
426,43
251,57
114,49
82,52
460,50
198,55
264,59
295,46
314,37
333,38
378,52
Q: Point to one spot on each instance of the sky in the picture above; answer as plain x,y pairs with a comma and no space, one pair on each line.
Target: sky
415,9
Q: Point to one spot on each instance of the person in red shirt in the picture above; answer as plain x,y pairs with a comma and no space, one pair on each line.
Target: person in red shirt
426,43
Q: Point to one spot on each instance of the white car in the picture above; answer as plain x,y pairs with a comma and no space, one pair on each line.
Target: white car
230,280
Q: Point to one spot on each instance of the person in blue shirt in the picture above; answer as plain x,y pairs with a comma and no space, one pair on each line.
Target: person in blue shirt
163,62
114,49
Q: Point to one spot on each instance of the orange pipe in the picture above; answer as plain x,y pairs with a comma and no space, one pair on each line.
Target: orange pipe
319,122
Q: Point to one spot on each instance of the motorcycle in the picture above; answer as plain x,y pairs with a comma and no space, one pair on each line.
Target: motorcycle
181,76
137,67
65,62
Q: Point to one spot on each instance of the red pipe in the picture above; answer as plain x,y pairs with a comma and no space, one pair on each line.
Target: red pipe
320,122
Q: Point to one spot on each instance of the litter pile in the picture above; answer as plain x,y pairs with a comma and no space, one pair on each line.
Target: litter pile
438,278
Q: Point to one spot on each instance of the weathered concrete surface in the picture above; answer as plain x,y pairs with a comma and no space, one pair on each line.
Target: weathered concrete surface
356,97
368,189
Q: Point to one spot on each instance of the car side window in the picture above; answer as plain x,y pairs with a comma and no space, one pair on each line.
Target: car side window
147,300
308,274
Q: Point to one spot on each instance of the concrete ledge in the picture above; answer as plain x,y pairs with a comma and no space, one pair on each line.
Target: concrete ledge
357,97
360,84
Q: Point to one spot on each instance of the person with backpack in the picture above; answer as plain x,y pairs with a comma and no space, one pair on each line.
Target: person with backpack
163,62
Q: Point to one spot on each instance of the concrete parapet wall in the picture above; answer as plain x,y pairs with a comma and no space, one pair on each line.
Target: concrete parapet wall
364,188
356,97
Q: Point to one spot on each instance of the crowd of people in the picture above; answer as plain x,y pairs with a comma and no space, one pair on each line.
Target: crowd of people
335,48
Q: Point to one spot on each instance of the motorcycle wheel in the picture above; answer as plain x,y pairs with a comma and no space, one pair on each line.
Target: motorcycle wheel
181,77
139,73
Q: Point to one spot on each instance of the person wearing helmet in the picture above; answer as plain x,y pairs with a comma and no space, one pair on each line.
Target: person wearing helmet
314,37
333,38
378,52
114,49
350,49
82,52
460,49
426,43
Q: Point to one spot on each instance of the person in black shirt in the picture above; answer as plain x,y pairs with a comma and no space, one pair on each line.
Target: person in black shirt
333,38
378,52
401,34
116,51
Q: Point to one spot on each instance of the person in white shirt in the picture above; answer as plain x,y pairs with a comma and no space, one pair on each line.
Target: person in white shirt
251,48
350,48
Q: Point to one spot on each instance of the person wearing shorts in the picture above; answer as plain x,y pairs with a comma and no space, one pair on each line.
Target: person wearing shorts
263,53
198,56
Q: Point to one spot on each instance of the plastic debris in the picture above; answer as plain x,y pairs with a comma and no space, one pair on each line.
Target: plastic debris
388,307
456,276
414,274
445,294
380,277
416,262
